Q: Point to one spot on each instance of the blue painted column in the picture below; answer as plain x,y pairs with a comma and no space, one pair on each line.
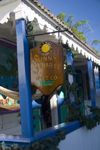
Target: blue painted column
69,58
97,80
24,80
91,83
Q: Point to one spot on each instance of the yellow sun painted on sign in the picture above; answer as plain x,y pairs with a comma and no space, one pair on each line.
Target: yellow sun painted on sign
45,48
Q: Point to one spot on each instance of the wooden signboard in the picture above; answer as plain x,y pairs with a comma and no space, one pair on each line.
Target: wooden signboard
47,67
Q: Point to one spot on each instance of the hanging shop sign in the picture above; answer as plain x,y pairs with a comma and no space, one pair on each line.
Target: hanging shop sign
47,67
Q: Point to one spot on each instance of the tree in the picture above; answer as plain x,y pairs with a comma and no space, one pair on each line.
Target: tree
69,21
62,16
78,28
75,27
95,42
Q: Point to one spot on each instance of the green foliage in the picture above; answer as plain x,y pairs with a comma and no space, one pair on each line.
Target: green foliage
69,21
76,110
49,143
96,112
12,147
97,51
92,122
69,69
66,23
79,23
75,27
95,42
88,122
79,34
62,16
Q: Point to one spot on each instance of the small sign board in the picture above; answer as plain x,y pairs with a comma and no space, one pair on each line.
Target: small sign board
47,67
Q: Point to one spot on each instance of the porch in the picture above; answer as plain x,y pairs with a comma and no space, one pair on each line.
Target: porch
13,36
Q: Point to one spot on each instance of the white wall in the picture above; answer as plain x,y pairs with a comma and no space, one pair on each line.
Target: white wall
82,139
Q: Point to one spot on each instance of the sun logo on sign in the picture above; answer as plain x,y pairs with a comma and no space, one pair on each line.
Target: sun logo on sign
45,48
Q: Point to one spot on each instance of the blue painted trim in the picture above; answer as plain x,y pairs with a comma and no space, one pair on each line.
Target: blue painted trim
24,80
61,100
36,105
21,141
91,82
69,58
69,127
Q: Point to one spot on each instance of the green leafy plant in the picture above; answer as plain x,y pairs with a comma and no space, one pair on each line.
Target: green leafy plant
88,122
95,42
74,26
76,110
50,143
62,16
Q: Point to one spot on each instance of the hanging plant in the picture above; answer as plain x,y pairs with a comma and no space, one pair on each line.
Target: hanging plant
76,110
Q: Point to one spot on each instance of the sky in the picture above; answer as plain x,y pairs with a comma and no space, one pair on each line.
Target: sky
82,10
